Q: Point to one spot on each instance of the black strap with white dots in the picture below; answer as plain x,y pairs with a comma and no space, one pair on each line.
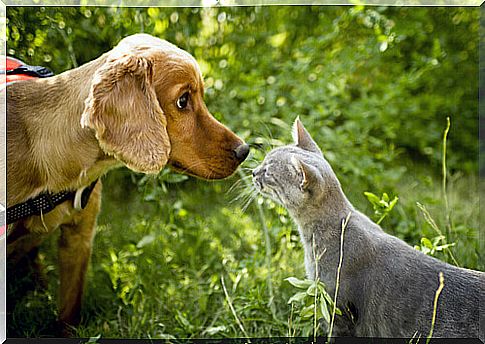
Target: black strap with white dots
45,203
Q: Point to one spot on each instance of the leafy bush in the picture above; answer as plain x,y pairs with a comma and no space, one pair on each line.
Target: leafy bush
373,85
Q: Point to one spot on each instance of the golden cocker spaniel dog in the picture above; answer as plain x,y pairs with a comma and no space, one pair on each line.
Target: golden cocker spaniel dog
139,105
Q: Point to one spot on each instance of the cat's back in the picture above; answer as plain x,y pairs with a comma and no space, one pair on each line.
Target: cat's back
405,281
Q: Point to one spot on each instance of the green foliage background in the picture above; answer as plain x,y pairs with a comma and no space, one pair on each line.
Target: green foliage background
373,85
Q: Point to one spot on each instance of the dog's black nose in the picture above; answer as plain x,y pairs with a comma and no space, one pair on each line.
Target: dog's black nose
241,152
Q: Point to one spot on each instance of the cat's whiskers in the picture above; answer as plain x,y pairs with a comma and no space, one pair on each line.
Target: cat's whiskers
250,200
237,184
243,195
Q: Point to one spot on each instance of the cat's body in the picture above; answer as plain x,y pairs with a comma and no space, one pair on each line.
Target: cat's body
387,288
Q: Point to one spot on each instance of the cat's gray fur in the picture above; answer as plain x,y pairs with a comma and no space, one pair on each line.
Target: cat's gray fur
387,287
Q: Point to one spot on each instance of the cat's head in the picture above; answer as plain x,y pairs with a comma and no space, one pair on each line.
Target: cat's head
297,175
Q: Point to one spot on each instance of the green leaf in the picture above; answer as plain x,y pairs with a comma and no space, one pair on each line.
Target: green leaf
442,247
165,336
301,284
385,197
278,39
372,198
94,339
393,203
437,240
214,330
425,250
426,243
324,309
383,204
147,239
312,289
327,296
174,178
298,297
307,311
183,321
114,257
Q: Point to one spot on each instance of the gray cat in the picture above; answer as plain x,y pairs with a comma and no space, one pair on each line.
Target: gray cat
387,288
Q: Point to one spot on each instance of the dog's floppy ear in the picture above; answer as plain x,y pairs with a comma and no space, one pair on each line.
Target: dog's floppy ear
123,110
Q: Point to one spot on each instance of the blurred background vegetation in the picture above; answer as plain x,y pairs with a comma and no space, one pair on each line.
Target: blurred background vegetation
373,85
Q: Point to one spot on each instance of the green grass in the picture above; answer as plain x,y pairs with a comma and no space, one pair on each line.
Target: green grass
157,265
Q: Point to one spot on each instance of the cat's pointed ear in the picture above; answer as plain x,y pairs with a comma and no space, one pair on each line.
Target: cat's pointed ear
302,138
309,174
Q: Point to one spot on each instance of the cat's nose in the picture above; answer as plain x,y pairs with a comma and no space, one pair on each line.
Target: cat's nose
255,171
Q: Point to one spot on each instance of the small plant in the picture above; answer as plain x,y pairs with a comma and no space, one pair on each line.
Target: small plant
430,247
121,268
382,206
313,302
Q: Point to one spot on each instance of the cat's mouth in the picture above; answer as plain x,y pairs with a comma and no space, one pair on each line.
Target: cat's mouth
258,185
265,191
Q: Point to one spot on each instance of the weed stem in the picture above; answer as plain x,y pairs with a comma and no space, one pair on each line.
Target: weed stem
443,184
435,305
316,290
229,302
337,283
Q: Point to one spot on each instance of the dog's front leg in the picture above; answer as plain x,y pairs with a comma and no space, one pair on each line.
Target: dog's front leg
75,245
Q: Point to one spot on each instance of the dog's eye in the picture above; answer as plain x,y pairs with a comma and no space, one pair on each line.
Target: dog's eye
183,100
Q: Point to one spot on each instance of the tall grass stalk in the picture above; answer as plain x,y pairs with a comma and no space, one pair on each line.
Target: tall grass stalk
339,267
443,182
290,324
316,259
414,337
435,305
316,279
231,307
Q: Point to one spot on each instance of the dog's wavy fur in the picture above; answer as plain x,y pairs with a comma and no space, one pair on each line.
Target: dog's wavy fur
66,131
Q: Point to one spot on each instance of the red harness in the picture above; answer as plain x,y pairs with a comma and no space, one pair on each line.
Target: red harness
16,70
12,64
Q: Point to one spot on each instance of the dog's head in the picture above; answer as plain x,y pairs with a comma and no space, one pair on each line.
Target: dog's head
146,107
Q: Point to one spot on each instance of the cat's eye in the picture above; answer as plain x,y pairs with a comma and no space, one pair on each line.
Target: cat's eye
183,101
